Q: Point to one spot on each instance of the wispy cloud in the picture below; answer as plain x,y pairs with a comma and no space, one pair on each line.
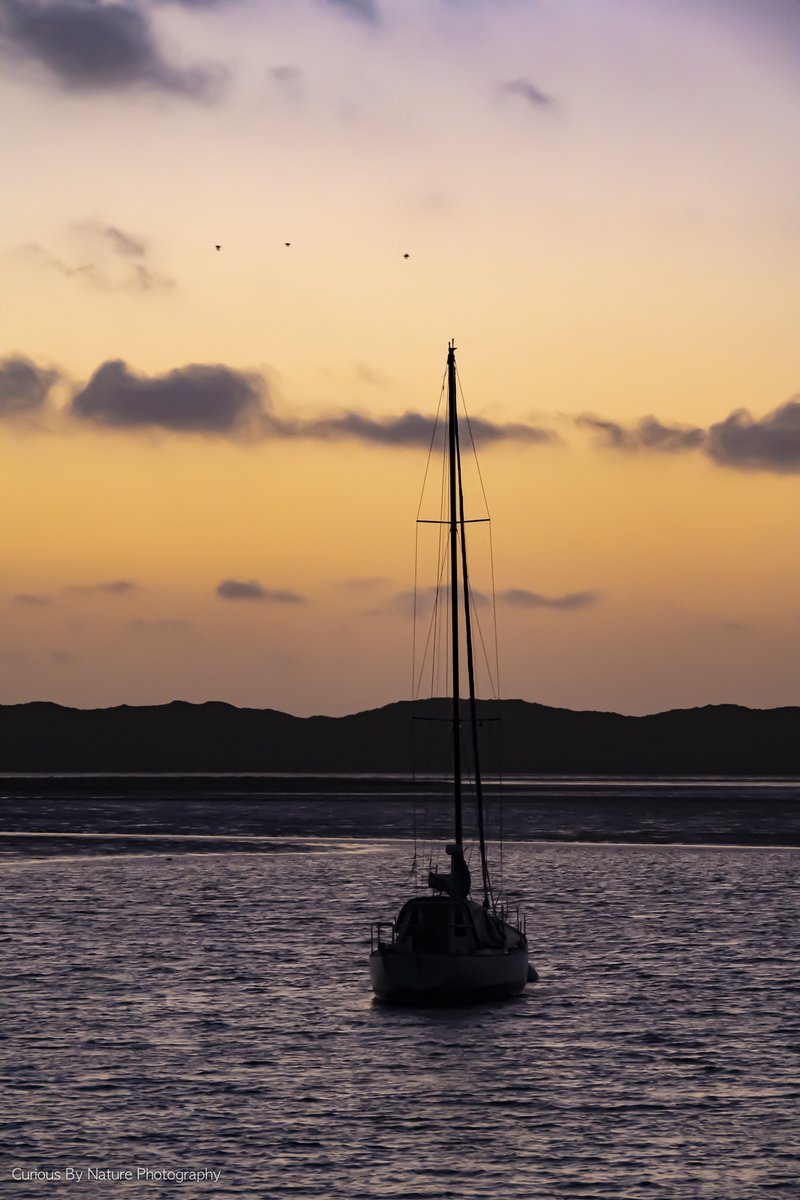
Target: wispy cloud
648,434
31,599
741,442
422,601
363,10
251,589
99,47
727,626
413,429
526,91
362,583
168,625
113,587
199,4
568,602
104,256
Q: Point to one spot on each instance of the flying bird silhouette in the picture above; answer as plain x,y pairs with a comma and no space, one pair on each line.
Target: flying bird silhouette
287,243
218,247
406,256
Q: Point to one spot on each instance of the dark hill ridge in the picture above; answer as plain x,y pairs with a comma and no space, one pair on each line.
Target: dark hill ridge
714,740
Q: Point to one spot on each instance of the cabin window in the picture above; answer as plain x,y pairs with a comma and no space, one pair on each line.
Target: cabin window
462,931
429,927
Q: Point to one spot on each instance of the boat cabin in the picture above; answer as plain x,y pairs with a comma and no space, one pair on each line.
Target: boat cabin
446,925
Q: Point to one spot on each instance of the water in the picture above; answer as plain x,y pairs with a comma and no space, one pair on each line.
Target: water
695,810
211,1012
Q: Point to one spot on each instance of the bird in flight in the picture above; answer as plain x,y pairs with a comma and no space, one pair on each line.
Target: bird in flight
218,247
287,243
406,256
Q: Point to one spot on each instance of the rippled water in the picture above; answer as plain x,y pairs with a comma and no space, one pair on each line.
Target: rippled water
212,1012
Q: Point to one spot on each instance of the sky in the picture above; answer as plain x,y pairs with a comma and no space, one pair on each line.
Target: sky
236,237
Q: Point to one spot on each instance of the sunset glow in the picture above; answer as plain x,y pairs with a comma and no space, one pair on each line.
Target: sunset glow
597,199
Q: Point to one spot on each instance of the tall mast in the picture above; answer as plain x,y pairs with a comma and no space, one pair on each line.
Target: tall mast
452,440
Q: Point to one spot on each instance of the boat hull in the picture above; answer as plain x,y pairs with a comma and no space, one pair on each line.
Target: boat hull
402,976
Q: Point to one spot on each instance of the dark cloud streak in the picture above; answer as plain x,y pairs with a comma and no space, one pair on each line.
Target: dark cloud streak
648,434
31,599
527,91
569,602
413,429
251,589
113,587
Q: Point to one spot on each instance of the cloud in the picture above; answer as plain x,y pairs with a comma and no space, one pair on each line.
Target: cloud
648,434
740,441
251,589
124,243
31,599
362,582
363,10
24,387
107,257
527,91
164,626
286,75
769,444
213,399
113,587
423,600
99,47
192,399
413,429
723,625
569,602
368,375
198,3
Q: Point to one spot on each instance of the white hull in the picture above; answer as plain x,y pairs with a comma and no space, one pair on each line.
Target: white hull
399,974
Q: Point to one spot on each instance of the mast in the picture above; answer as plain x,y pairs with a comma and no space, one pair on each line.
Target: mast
452,440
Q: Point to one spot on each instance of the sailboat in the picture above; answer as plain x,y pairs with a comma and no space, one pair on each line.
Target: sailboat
445,945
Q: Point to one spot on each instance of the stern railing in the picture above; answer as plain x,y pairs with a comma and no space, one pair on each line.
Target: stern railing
377,935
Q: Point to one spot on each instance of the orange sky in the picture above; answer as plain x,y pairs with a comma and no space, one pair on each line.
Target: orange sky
599,203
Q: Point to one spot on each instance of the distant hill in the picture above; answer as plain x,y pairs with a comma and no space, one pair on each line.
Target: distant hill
715,740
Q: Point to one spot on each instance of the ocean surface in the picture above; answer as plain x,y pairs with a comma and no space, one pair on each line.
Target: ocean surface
199,1014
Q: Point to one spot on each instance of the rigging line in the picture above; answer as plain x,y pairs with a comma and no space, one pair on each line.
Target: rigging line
500,805
472,440
433,631
434,636
434,432
416,571
500,791
430,447
487,889
491,542
477,624
494,615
